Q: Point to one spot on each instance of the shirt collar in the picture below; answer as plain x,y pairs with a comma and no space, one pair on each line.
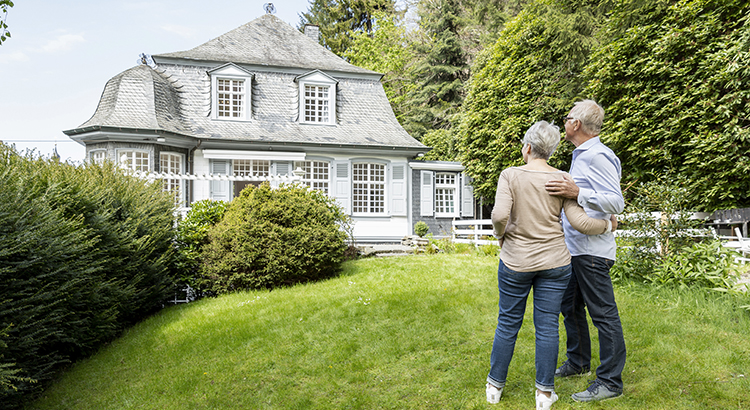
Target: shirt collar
588,144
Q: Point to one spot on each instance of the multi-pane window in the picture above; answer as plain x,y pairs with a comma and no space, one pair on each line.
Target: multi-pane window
230,98
135,160
316,174
445,194
316,103
250,167
368,188
98,156
172,164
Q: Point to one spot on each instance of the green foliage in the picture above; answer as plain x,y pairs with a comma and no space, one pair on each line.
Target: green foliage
531,73
674,79
339,20
421,228
4,6
388,50
274,237
8,376
192,235
84,252
665,248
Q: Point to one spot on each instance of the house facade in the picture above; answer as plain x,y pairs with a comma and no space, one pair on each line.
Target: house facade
267,102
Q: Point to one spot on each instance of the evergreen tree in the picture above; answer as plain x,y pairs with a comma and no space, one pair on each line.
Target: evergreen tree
339,20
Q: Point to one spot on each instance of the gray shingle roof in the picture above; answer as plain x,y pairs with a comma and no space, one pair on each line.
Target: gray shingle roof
140,98
268,41
176,96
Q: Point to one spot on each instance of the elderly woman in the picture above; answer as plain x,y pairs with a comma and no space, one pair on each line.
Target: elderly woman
526,220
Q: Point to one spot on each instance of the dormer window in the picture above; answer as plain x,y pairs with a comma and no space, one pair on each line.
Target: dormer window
317,92
231,97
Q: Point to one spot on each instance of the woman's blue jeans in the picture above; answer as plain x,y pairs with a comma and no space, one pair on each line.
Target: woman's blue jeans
549,286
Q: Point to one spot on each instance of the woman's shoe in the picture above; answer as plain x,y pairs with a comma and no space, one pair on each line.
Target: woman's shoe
543,402
493,394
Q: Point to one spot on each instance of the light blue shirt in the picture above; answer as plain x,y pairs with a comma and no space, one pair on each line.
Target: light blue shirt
597,172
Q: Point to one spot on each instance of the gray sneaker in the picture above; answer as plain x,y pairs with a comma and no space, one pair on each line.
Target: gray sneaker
568,369
597,391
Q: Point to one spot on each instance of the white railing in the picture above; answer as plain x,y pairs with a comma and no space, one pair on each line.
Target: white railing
473,231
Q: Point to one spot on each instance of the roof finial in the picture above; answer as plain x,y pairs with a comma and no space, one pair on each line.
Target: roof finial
269,8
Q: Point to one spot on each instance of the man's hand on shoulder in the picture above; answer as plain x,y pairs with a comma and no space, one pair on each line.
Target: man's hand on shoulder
566,188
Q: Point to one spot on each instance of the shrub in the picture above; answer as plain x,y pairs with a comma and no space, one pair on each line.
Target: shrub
421,228
192,235
84,252
274,237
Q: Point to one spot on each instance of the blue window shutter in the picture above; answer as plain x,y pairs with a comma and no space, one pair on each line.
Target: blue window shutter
398,190
426,193
221,190
467,196
342,185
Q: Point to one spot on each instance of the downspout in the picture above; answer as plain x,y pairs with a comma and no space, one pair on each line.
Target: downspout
191,166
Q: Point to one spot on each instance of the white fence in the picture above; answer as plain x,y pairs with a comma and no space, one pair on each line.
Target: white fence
473,231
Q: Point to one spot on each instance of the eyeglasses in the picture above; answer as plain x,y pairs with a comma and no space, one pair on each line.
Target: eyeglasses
566,118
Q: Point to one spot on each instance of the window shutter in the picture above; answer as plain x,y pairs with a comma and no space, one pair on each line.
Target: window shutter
220,190
281,169
426,193
342,185
467,196
398,190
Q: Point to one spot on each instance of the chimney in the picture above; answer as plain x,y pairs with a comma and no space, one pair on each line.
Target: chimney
313,31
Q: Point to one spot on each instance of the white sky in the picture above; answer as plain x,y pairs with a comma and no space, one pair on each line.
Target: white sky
61,54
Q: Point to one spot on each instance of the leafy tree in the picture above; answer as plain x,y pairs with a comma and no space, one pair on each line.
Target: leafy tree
388,50
4,6
675,81
531,73
339,20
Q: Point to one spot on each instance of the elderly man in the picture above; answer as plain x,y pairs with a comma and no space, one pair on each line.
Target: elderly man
596,173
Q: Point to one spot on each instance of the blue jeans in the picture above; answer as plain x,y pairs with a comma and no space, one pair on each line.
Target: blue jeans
591,288
549,287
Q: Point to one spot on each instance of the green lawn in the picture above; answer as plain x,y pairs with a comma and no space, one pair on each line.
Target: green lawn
409,332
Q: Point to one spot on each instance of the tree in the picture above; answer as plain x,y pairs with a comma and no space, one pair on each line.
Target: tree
532,73
387,49
339,20
4,6
675,83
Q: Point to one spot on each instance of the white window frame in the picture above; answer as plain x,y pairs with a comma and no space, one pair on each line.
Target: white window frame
317,174
175,185
251,167
370,185
232,73
447,201
317,79
98,156
133,159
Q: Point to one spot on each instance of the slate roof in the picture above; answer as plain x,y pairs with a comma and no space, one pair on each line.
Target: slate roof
268,41
176,96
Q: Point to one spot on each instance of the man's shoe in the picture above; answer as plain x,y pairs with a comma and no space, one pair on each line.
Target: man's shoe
597,391
567,369
543,402
493,394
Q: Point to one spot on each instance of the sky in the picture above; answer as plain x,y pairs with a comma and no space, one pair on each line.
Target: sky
61,54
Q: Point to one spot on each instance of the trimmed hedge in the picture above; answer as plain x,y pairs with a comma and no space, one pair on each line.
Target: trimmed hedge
274,237
84,253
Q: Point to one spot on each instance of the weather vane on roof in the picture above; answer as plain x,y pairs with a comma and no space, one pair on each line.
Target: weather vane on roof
269,8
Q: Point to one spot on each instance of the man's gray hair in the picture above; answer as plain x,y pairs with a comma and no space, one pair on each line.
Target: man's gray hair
543,138
590,114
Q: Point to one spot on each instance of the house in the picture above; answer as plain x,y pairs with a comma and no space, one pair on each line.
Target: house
260,102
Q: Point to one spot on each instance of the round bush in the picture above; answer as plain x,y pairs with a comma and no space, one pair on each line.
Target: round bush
274,237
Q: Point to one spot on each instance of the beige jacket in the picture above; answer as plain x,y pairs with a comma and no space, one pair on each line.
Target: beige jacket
527,218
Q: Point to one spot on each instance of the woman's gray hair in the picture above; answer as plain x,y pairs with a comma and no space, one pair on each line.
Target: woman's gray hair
543,138
590,114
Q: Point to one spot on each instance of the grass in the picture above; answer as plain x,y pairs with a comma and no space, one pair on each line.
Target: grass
398,333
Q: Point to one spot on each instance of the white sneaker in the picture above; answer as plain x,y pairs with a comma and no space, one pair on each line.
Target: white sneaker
543,402
493,394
